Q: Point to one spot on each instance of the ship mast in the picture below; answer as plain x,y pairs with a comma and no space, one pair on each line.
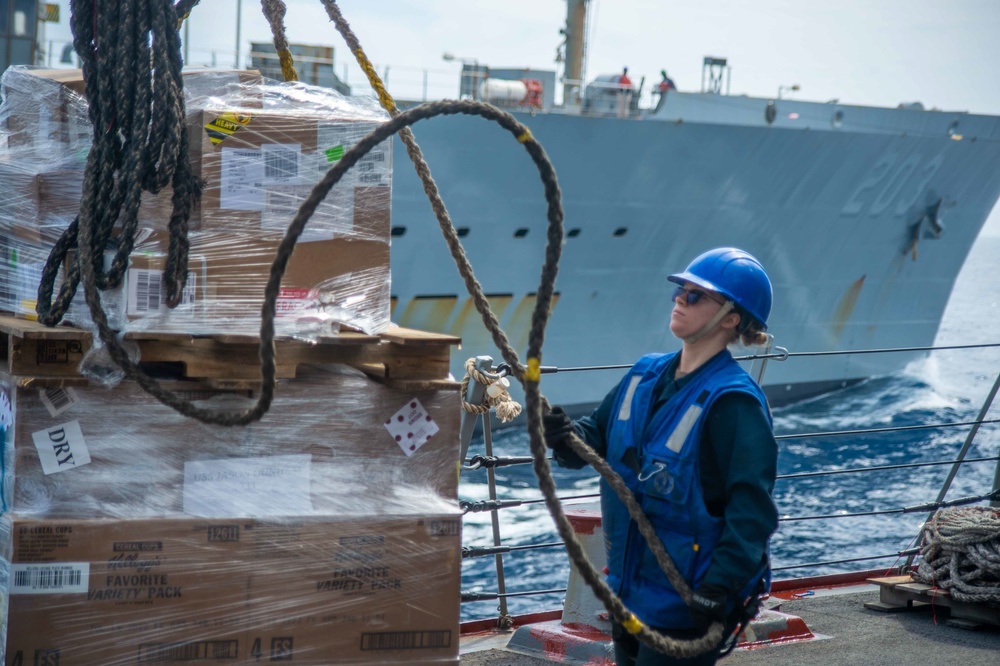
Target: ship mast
576,37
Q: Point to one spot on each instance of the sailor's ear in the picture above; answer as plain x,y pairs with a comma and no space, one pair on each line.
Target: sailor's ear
731,320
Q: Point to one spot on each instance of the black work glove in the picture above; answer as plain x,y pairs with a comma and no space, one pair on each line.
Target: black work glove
558,428
708,605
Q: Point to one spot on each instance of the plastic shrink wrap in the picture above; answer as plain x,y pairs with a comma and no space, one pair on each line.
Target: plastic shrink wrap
259,147
326,533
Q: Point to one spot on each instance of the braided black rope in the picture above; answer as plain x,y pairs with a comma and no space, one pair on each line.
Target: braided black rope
534,401
130,54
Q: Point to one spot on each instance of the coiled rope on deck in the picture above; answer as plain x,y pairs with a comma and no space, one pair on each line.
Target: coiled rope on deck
530,376
961,553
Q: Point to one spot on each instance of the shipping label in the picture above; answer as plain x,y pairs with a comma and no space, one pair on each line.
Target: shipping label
147,294
267,487
50,578
58,400
61,447
411,427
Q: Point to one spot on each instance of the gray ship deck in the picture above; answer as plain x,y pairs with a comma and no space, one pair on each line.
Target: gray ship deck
848,634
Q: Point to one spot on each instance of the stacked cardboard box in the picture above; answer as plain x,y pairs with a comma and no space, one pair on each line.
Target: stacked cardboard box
326,533
259,148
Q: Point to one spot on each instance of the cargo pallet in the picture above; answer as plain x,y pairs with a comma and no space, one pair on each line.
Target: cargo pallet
400,357
903,593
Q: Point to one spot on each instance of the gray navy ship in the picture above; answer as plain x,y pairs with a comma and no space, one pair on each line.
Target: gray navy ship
862,216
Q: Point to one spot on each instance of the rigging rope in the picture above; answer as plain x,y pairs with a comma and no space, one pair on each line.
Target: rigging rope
130,55
960,553
498,398
530,376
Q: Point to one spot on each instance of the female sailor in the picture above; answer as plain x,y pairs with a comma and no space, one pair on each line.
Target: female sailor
690,433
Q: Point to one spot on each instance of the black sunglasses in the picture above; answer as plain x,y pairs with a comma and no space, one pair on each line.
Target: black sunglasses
691,296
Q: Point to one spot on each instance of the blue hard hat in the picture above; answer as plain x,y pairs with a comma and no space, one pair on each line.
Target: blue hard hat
735,274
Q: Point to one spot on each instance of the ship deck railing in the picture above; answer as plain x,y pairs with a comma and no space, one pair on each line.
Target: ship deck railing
899,560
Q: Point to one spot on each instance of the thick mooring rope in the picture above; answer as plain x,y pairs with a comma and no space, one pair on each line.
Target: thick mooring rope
960,552
530,376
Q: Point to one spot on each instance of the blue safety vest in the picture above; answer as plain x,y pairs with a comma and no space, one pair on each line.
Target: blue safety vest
657,455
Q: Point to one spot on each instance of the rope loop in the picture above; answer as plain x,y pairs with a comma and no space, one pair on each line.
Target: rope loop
507,408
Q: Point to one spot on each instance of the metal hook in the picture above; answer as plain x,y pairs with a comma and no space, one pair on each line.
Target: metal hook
659,467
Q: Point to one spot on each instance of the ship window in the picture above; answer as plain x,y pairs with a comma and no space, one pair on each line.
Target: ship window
397,231
621,231
462,232
838,118
573,233
521,232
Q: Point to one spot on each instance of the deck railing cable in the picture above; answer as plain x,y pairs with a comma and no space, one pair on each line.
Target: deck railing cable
482,505
783,355
494,505
493,596
481,551
902,553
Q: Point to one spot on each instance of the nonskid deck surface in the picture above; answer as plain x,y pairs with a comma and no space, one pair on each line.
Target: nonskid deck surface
850,635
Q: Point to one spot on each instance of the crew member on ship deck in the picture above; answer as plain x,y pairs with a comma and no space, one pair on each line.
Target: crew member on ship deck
690,433
624,93
665,85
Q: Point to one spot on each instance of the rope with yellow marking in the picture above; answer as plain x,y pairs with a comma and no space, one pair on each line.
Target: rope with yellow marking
274,12
530,375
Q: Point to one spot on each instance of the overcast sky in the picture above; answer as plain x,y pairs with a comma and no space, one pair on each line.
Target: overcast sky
877,52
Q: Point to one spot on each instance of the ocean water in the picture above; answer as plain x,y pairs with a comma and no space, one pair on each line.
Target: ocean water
944,387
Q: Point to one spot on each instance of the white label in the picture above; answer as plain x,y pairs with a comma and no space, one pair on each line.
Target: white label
146,294
58,400
26,279
281,203
241,179
61,447
335,139
411,427
53,578
272,486
281,163
295,301
6,410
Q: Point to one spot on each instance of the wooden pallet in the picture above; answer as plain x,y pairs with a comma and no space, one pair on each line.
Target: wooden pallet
902,593
29,349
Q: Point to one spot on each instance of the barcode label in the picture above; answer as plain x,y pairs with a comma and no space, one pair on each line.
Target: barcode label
406,640
61,578
147,290
58,400
146,293
281,162
194,651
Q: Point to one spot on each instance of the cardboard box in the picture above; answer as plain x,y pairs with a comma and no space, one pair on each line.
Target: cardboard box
259,166
322,449
327,284
327,591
